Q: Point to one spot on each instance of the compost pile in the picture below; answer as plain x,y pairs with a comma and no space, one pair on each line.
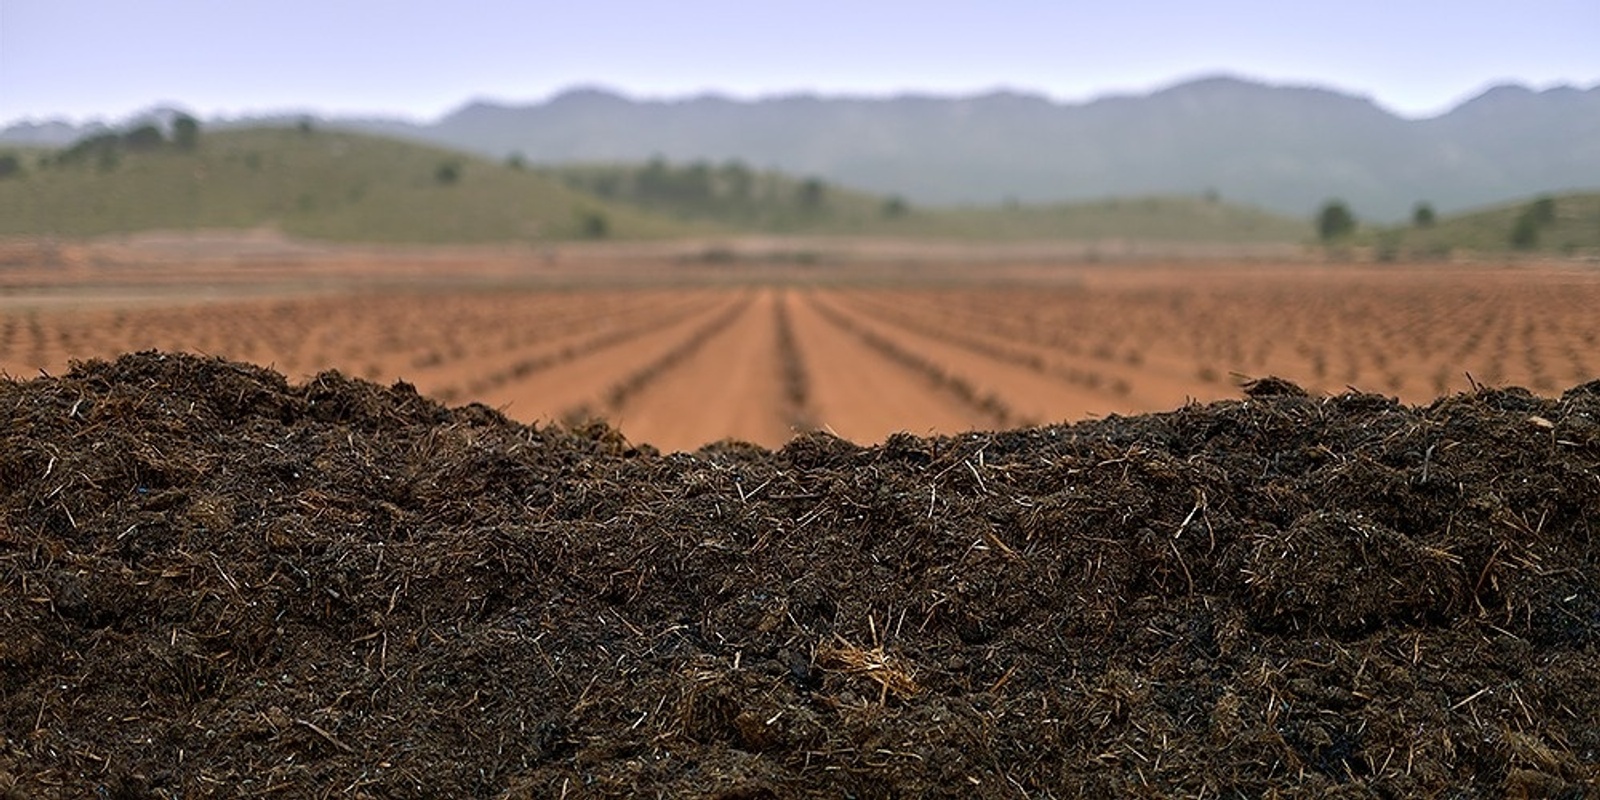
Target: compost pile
215,583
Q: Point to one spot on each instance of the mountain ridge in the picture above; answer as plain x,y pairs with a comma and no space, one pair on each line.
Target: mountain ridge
1281,147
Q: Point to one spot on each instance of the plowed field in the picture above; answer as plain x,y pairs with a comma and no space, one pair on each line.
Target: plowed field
761,360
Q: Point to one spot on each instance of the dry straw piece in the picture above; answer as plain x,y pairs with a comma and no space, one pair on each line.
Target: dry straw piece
874,665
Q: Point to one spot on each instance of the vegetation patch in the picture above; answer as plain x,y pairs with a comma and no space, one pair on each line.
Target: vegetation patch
308,183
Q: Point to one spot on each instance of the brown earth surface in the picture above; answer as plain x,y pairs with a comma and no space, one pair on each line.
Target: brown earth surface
217,583
682,354
861,394
733,382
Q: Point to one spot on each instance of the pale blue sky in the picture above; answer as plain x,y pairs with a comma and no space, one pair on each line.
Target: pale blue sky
108,58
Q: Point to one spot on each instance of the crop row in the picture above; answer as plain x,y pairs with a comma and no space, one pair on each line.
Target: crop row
988,403
796,380
618,394
1114,342
1417,340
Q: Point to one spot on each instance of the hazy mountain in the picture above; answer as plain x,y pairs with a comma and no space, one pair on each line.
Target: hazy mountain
50,133
1283,148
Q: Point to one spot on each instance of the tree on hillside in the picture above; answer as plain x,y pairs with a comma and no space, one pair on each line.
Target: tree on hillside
1536,215
593,224
895,207
738,178
447,173
185,132
1335,221
88,147
811,193
696,183
654,179
144,137
1422,215
1543,210
9,165
1525,231
605,185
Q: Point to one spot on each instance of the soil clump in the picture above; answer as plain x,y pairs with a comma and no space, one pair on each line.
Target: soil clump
216,583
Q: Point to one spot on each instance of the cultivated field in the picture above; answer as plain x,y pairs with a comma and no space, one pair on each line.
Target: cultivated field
759,355
217,582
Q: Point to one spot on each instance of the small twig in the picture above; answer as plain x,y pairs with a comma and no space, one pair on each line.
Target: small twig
1004,679
38,721
1470,698
220,571
974,471
1004,548
1199,507
314,728
1477,591
745,497
1185,565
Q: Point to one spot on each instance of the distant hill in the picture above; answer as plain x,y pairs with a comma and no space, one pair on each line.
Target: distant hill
357,187
1562,224
312,184
733,195
338,185
1282,148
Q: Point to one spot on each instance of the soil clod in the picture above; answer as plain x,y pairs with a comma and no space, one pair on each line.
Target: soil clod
216,583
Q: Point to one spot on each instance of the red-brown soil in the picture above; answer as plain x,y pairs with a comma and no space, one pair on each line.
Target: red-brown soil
862,395
869,351
216,583
733,383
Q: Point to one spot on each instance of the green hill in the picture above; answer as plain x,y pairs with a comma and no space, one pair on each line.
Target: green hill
733,195
331,185
308,183
1149,219
1567,224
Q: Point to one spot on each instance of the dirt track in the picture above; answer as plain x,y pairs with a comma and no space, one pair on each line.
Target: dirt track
214,583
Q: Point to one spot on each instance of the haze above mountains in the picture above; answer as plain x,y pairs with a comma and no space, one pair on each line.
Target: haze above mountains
1283,148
